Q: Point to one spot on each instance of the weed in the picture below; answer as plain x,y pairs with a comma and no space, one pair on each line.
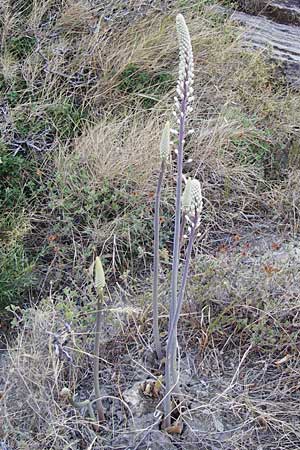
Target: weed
16,270
17,180
21,46
118,207
134,80
63,120
15,91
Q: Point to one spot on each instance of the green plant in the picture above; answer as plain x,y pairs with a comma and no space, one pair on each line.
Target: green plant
65,118
16,270
17,180
18,187
62,119
150,87
21,46
16,91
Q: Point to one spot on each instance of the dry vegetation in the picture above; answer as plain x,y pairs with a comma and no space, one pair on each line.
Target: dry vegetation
85,88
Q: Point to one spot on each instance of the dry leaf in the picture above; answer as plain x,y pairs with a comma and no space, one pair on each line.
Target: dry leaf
152,388
262,421
275,246
283,360
269,269
176,428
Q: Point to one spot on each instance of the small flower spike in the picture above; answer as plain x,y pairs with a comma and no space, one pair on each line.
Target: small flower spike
99,274
196,203
186,200
165,143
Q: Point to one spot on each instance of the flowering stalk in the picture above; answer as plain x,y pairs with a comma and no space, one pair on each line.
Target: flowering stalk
99,285
192,207
164,156
183,106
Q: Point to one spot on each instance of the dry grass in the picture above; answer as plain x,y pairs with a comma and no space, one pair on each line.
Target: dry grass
115,150
96,197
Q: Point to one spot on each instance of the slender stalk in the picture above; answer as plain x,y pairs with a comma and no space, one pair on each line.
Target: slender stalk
170,368
176,241
99,406
157,342
172,334
183,106
171,371
183,222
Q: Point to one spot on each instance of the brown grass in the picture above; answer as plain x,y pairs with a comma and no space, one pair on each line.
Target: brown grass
115,150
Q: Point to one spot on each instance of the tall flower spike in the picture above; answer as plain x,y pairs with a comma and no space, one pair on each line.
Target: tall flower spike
184,99
165,143
186,62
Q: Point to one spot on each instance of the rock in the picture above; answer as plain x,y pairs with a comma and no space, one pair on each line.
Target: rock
4,446
282,11
139,405
285,11
281,42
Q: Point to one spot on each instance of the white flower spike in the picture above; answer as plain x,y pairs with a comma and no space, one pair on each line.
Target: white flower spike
197,201
192,202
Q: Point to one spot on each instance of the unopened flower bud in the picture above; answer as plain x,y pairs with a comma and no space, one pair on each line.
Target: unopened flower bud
99,274
186,200
196,192
165,143
65,393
